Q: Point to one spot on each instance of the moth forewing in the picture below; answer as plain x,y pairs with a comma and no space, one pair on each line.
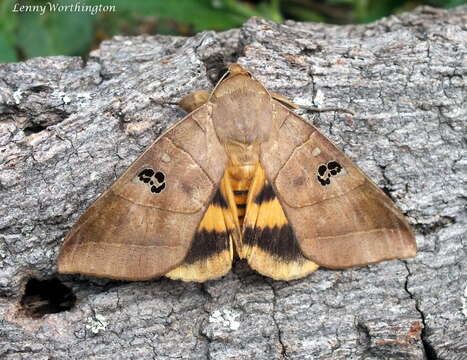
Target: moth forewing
139,229
340,217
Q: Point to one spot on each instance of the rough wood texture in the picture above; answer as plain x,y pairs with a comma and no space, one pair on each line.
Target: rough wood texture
69,128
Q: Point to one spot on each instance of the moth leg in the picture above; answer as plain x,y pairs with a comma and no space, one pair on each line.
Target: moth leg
284,101
194,100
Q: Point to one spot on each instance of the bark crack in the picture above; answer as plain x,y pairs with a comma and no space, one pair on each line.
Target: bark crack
204,291
430,353
283,346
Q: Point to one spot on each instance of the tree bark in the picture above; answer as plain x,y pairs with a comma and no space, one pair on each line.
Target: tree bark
69,128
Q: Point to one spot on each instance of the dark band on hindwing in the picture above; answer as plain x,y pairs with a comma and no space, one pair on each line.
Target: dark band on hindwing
206,244
209,242
266,194
280,242
277,238
219,200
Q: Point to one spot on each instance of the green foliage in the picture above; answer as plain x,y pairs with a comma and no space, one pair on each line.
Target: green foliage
7,31
71,32
200,14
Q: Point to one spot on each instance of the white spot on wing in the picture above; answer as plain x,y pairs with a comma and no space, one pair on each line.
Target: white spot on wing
316,151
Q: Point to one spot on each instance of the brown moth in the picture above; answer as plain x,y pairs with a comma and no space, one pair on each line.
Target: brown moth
242,175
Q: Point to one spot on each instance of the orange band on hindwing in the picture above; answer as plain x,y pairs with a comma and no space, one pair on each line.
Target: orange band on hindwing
211,252
269,243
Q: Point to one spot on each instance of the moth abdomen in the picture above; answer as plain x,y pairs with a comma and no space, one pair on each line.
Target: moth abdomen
240,177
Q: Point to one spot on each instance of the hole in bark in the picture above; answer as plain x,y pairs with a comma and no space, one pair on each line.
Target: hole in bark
40,88
33,129
219,72
364,333
215,67
43,297
427,229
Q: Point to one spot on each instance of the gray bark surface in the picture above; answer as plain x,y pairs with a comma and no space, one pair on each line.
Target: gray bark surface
69,128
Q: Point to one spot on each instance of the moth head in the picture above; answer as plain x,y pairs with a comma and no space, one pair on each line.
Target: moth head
235,69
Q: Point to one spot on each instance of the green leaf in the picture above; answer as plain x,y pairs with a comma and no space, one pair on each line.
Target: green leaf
8,22
270,10
7,52
305,14
56,32
447,3
8,25
32,36
70,32
201,14
368,11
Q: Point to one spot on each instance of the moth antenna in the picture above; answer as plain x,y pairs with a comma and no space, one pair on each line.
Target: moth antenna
290,104
326,109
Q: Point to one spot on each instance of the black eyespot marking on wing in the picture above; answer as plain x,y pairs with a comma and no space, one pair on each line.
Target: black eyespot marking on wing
155,180
146,174
157,189
160,177
326,171
324,182
322,170
334,165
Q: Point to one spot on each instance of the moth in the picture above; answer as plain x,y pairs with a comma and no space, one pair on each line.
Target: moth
242,176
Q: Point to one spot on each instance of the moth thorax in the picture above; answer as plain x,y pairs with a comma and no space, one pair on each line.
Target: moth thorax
241,110
241,154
